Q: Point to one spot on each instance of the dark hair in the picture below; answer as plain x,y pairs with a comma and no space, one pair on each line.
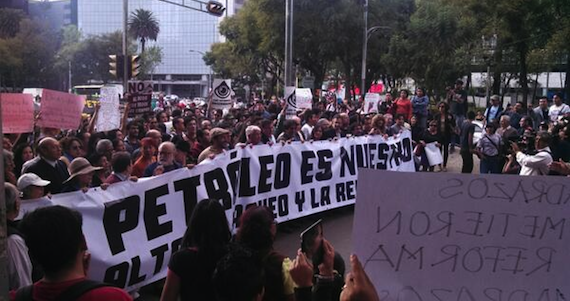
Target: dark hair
54,237
239,276
176,113
544,136
471,115
67,141
289,124
398,116
405,91
445,106
18,160
189,119
120,161
95,158
208,228
255,228
92,144
116,143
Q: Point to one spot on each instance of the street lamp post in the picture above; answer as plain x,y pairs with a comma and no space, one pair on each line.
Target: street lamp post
367,33
289,42
210,82
489,46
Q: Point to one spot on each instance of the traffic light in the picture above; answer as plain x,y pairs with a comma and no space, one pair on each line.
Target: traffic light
116,65
216,8
134,65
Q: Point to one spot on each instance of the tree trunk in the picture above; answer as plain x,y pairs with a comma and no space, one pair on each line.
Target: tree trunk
523,74
143,41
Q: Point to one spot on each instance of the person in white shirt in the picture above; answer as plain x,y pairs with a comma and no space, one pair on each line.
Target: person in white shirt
538,164
311,118
557,109
19,263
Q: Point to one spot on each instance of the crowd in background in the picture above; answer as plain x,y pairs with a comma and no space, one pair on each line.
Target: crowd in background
516,139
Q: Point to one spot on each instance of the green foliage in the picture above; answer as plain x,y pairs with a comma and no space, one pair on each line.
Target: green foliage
10,22
143,26
150,59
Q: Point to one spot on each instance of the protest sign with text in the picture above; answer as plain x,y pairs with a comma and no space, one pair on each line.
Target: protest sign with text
61,110
463,237
303,99
222,94
17,113
132,229
371,103
109,115
140,98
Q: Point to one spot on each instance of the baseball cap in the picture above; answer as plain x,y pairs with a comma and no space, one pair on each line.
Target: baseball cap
28,179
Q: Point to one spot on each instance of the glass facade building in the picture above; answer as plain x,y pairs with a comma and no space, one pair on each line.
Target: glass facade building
184,33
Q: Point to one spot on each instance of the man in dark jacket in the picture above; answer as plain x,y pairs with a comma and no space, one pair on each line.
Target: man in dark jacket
49,167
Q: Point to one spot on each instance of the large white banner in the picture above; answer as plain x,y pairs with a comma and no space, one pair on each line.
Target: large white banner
132,229
463,237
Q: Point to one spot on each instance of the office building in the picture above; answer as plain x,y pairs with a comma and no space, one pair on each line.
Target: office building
184,35
56,13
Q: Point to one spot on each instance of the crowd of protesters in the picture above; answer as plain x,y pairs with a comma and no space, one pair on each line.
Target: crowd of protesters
516,139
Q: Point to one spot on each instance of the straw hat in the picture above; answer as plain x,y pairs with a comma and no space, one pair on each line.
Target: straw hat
80,166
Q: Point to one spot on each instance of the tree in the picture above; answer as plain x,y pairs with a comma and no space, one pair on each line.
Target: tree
150,59
143,26
10,22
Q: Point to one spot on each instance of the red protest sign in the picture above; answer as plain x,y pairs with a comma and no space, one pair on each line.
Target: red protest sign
17,113
61,110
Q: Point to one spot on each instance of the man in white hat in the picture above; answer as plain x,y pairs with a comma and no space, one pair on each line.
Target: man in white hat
31,186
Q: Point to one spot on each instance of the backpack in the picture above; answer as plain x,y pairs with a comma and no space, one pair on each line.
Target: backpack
73,292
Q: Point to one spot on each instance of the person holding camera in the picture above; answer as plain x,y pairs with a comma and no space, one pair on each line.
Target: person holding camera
537,164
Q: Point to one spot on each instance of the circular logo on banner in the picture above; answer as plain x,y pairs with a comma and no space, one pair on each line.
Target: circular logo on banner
292,101
223,91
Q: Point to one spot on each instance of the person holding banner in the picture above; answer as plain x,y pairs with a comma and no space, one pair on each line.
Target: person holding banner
378,126
205,241
81,175
220,139
165,162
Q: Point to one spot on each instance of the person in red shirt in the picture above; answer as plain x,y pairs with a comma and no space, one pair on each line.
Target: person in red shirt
56,242
404,105
148,156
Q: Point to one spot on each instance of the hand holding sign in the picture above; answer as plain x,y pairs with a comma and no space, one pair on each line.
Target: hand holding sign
358,286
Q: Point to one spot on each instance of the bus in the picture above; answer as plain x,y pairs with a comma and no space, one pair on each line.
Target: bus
92,94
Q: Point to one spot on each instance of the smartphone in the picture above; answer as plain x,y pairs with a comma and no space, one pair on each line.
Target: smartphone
312,240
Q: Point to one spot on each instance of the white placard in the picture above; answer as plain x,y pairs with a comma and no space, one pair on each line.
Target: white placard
109,115
433,154
371,103
222,94
463,237
303,99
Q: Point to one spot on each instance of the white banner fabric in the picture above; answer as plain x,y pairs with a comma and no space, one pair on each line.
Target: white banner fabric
463,236
132,229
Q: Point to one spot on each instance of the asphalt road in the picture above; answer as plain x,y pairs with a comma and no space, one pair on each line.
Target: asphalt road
337,228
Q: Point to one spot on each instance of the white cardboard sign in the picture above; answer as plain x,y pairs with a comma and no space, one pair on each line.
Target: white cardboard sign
463,237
